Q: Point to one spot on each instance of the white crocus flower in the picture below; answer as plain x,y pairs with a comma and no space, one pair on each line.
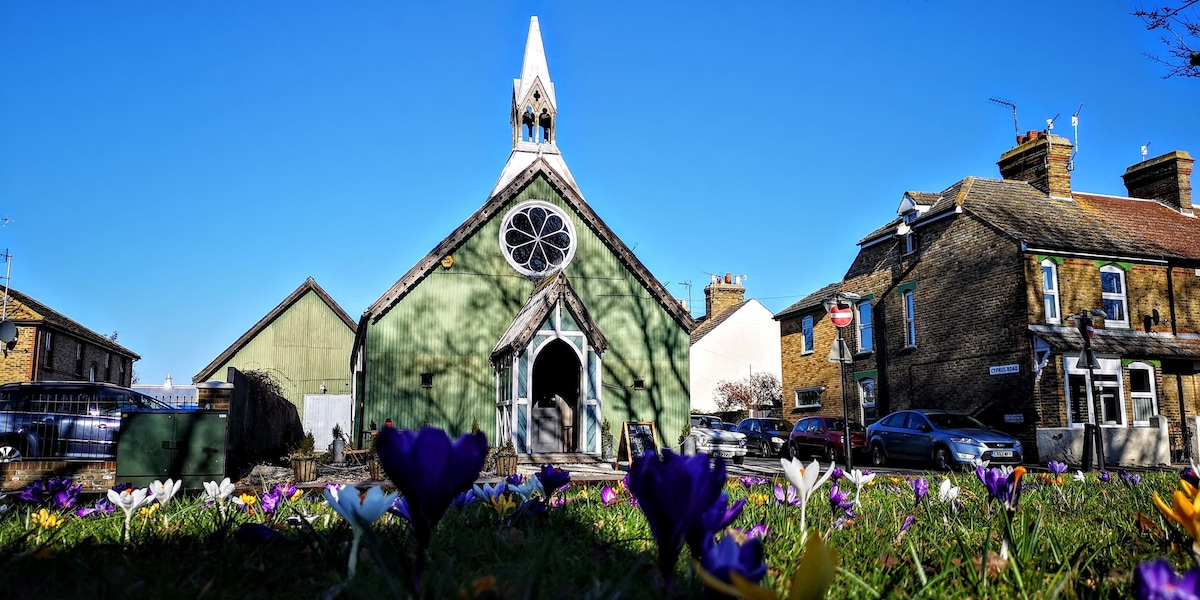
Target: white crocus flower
361,512
948,493
806,480
217,492
163,492
859,479
129,501
1079,476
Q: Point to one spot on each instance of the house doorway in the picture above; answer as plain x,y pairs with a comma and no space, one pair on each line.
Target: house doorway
555,399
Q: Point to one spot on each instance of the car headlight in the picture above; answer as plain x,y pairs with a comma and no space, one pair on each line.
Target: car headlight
964,440
742,442
701,439
775,440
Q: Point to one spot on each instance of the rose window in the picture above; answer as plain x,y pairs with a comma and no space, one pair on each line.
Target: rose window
536,238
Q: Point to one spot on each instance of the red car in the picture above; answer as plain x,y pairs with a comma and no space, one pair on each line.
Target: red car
825,437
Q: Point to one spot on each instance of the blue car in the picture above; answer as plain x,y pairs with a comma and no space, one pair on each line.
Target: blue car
946,439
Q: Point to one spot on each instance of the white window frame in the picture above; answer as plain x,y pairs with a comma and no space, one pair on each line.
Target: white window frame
808,390
865,327
1050,292
910,319
1110,367
807,334
1150,396
1122,297
863,402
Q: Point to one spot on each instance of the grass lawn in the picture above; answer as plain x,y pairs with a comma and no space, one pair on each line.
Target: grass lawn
1070,539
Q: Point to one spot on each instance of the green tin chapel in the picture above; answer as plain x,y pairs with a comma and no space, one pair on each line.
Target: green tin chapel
532,318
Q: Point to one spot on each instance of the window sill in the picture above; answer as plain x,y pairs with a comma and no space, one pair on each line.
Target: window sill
806,406
863,353
807,352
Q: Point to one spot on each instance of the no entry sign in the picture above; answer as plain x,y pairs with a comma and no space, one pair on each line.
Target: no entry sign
841,315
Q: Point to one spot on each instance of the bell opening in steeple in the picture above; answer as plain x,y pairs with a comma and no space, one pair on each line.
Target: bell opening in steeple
533,108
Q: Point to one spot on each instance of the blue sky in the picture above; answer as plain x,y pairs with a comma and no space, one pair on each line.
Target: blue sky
174,170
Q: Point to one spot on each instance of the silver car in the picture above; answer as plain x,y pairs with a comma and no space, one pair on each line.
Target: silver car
712,439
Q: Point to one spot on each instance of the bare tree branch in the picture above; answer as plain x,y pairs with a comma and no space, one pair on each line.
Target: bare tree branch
1179,26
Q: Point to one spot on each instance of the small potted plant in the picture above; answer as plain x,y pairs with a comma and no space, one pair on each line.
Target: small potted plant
304,462
606,441
506,460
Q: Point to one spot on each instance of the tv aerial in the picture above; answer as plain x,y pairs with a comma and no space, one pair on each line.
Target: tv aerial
1016,128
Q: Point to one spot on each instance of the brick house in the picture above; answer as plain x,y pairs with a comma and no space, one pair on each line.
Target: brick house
967,296
51,347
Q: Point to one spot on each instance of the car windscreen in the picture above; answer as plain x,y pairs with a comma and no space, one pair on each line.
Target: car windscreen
954,421
781,426
838,426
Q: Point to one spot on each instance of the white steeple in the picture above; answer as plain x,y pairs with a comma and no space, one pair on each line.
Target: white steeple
534,111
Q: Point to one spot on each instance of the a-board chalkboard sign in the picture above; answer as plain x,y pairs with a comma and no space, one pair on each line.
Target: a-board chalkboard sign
637,438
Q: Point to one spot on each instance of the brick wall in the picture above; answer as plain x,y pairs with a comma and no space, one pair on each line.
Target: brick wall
62,363
95,476
17,363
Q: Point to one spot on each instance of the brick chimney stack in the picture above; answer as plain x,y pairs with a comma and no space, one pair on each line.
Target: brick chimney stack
721,294
1042,159
1166,178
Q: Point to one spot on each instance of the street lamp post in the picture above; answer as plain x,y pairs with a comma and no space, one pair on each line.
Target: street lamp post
1092,440
841,316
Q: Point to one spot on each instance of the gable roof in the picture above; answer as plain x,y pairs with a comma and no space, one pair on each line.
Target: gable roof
57,320
711,323
539,167
1088,223
309,285
541,301
811,301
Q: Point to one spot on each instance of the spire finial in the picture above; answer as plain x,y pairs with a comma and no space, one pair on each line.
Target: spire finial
534,111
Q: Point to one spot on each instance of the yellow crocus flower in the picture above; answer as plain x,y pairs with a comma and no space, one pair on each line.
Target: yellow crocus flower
1184,510
46,519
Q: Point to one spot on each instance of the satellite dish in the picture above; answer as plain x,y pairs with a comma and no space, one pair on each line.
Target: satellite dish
8,331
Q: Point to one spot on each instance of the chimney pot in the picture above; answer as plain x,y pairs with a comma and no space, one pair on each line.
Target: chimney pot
1042,160
1166,179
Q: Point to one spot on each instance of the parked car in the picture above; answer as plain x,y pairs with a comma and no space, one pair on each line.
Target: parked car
768,437
713,440
825,437
727,426
65,419
944,438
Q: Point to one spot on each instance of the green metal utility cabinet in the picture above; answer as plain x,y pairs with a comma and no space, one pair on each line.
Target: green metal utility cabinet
186,445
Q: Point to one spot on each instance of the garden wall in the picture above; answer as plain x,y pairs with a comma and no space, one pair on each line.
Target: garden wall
95,476
1123,446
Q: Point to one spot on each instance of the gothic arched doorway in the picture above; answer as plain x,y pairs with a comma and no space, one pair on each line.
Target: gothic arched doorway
556,388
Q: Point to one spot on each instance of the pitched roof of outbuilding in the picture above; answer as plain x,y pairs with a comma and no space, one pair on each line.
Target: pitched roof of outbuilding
710,323
1123,342
57,320
309,285
1092,223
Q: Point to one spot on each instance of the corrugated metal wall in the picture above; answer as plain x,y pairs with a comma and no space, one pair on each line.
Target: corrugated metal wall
449,323
306,346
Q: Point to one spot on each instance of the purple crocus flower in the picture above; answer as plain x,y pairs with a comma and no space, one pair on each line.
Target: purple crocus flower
1105,477
719,516
750,482
908,521
758,531
553,479
674,492
608,495
515,479
790,498
1057,468
462,500
920,487
430,470
839,500
722,557
836,474
285,491
33,492
102,507
1189,475
1157,580
270,501
1130,479
400,508
1004,487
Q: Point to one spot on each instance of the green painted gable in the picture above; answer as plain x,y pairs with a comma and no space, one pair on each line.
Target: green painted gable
449,321
305,345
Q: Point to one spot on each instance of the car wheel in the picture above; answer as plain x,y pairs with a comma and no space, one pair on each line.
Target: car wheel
10,451
941,458
878,458
764,449
831,453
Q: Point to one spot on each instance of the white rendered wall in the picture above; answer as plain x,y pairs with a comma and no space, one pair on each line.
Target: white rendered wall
747,341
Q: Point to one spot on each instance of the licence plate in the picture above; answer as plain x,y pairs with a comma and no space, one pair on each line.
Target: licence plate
723,453
1002,453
